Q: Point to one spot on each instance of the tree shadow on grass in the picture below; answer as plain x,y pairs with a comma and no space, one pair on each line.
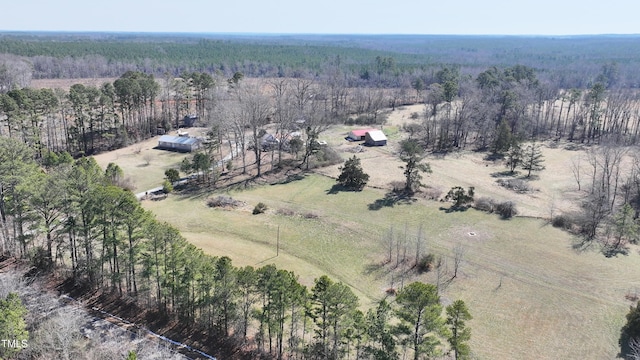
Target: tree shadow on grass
454,208
336,188
391,199
290,178
506,173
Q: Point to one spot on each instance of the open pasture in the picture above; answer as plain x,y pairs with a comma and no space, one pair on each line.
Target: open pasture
531,294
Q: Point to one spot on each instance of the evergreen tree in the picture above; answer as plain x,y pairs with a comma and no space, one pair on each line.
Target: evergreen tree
514,156
352,176
420,322
532,159
459,196
411,154
382,344
457,314
13,328
503,139
630,331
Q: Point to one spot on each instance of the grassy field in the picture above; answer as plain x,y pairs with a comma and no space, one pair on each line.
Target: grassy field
532,296
142,163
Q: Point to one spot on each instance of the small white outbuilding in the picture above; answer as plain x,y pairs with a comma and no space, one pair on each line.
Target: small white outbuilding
375,138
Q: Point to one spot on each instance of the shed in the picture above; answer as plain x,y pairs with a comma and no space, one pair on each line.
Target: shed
375,138
358,134
189,120
178,143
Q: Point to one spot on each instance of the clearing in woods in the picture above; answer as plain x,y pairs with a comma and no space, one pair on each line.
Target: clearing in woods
531,294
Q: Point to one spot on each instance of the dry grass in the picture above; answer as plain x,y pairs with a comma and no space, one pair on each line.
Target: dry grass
143,163
532,296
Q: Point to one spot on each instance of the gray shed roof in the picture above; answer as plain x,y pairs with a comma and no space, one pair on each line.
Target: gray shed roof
178,139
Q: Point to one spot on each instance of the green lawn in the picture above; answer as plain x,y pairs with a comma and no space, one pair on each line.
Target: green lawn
532,296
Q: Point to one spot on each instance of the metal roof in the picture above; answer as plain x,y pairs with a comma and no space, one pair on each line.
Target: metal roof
184,140
360,132
377,135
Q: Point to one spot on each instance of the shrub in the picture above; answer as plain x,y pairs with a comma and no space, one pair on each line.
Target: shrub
325,157
506,209
560,221
167,187
391,291
310,215
285,212
426,263
259,209
485,204
431,193
517,185
459,196
224,201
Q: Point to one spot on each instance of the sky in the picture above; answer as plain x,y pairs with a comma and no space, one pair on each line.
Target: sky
456,17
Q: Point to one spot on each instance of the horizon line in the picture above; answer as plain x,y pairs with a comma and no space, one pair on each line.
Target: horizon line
276,34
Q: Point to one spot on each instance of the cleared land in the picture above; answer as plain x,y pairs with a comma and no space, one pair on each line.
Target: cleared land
531,294
143,163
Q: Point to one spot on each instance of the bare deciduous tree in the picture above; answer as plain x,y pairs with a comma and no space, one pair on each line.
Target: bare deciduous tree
458,257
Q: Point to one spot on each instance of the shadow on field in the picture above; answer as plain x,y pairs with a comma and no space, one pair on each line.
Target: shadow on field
390,199
290,178
506,173
454,208
338,188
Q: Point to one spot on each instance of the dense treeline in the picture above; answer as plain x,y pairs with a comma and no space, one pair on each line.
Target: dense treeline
85,119
566,61
72,215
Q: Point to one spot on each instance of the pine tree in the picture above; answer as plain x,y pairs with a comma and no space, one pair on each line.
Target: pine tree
459,196
630,331
13,328
532,159
412,155
503,139
457,314
352,176
514,157
420,320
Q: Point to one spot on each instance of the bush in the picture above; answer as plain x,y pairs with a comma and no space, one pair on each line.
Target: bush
325,157
310,215
431,193
485,204
259,209
517,185
167,187
426,263
224,201
506,209
560,221
286,212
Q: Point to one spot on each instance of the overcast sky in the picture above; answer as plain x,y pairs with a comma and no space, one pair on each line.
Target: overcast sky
484,17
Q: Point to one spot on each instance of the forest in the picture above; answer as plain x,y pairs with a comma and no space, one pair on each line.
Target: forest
60,210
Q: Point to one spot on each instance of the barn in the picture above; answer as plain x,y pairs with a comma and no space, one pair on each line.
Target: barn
375,138
178,143
358,134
